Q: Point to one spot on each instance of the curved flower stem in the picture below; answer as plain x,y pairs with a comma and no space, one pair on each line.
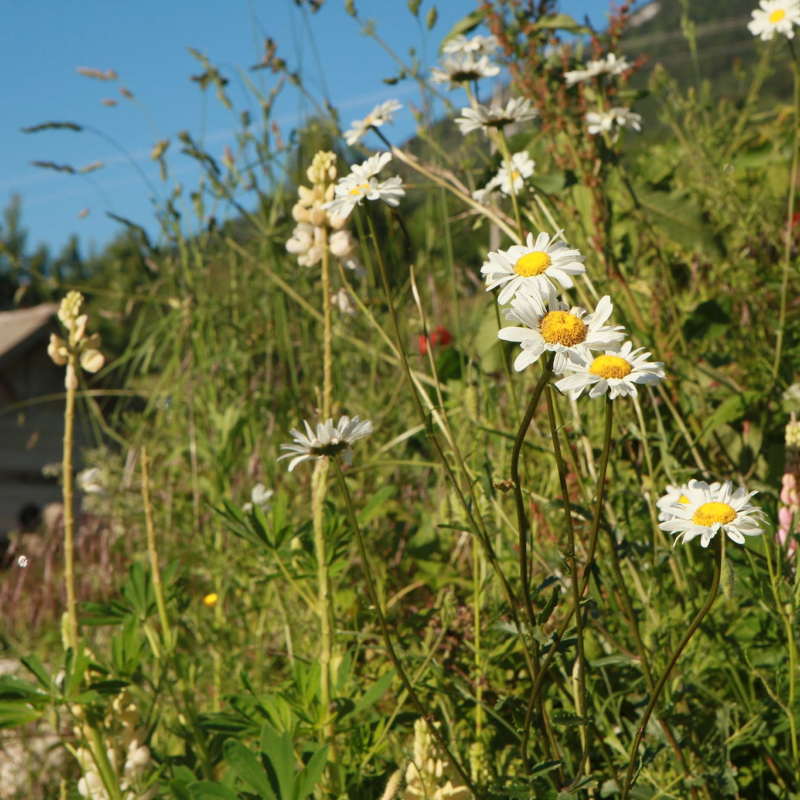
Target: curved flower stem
787,255
69,518
373,597
522,517
573,568
712,595
587,570
477,529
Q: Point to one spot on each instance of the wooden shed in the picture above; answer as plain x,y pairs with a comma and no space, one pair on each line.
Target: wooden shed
31,430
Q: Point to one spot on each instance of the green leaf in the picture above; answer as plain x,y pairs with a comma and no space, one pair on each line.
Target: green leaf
13,714
548,184
681,219
562,22
729,410
374,693
310,775
373,506
13,688
203,790
709,320
247,768
465,25
34,664
545,613
279,757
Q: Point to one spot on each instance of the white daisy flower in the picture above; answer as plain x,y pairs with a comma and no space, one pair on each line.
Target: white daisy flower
522,166
775,16
616,372
361,183
259,496
570,333
610,65
477,45
711,508
675,495
328,441
459,69
380,114
605,120
532,268
517,109
491,187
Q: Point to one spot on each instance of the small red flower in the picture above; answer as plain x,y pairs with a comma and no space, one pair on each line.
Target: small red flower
441,336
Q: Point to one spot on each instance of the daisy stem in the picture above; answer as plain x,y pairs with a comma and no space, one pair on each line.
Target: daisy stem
601,483
522,517
501,138
374,600
712,595
787,253
479,530
573,568
69,519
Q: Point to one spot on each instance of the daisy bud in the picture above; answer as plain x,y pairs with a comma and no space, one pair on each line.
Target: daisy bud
57,350
92,360
71,379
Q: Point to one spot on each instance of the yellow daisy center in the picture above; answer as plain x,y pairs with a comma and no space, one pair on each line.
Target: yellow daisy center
514,176
683,499
709,513
777,15
532,264
610,367
358,189
561,327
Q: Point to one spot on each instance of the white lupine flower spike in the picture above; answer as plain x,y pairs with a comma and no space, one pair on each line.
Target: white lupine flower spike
615,373
711,508
326,441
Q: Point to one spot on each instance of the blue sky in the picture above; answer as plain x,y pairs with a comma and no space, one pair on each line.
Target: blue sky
146,43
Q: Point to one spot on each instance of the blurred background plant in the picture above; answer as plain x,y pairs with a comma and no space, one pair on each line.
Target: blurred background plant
199,573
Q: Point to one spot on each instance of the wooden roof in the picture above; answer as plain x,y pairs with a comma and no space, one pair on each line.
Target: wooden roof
17,327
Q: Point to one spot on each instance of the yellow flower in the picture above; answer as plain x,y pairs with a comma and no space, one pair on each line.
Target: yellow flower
210,600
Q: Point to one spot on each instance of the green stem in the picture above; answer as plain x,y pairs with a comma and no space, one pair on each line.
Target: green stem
522,517
501,139
152,552
69,518
601,484
468,511
712,595
373,596
787,253
574,579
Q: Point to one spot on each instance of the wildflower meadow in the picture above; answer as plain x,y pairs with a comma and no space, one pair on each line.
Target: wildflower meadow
460,467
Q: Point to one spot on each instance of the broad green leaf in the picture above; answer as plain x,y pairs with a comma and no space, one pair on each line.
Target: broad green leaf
13,714
248,769
279,757
681,219
310,775
207,790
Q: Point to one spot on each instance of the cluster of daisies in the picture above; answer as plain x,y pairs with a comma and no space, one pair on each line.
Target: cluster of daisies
529,277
